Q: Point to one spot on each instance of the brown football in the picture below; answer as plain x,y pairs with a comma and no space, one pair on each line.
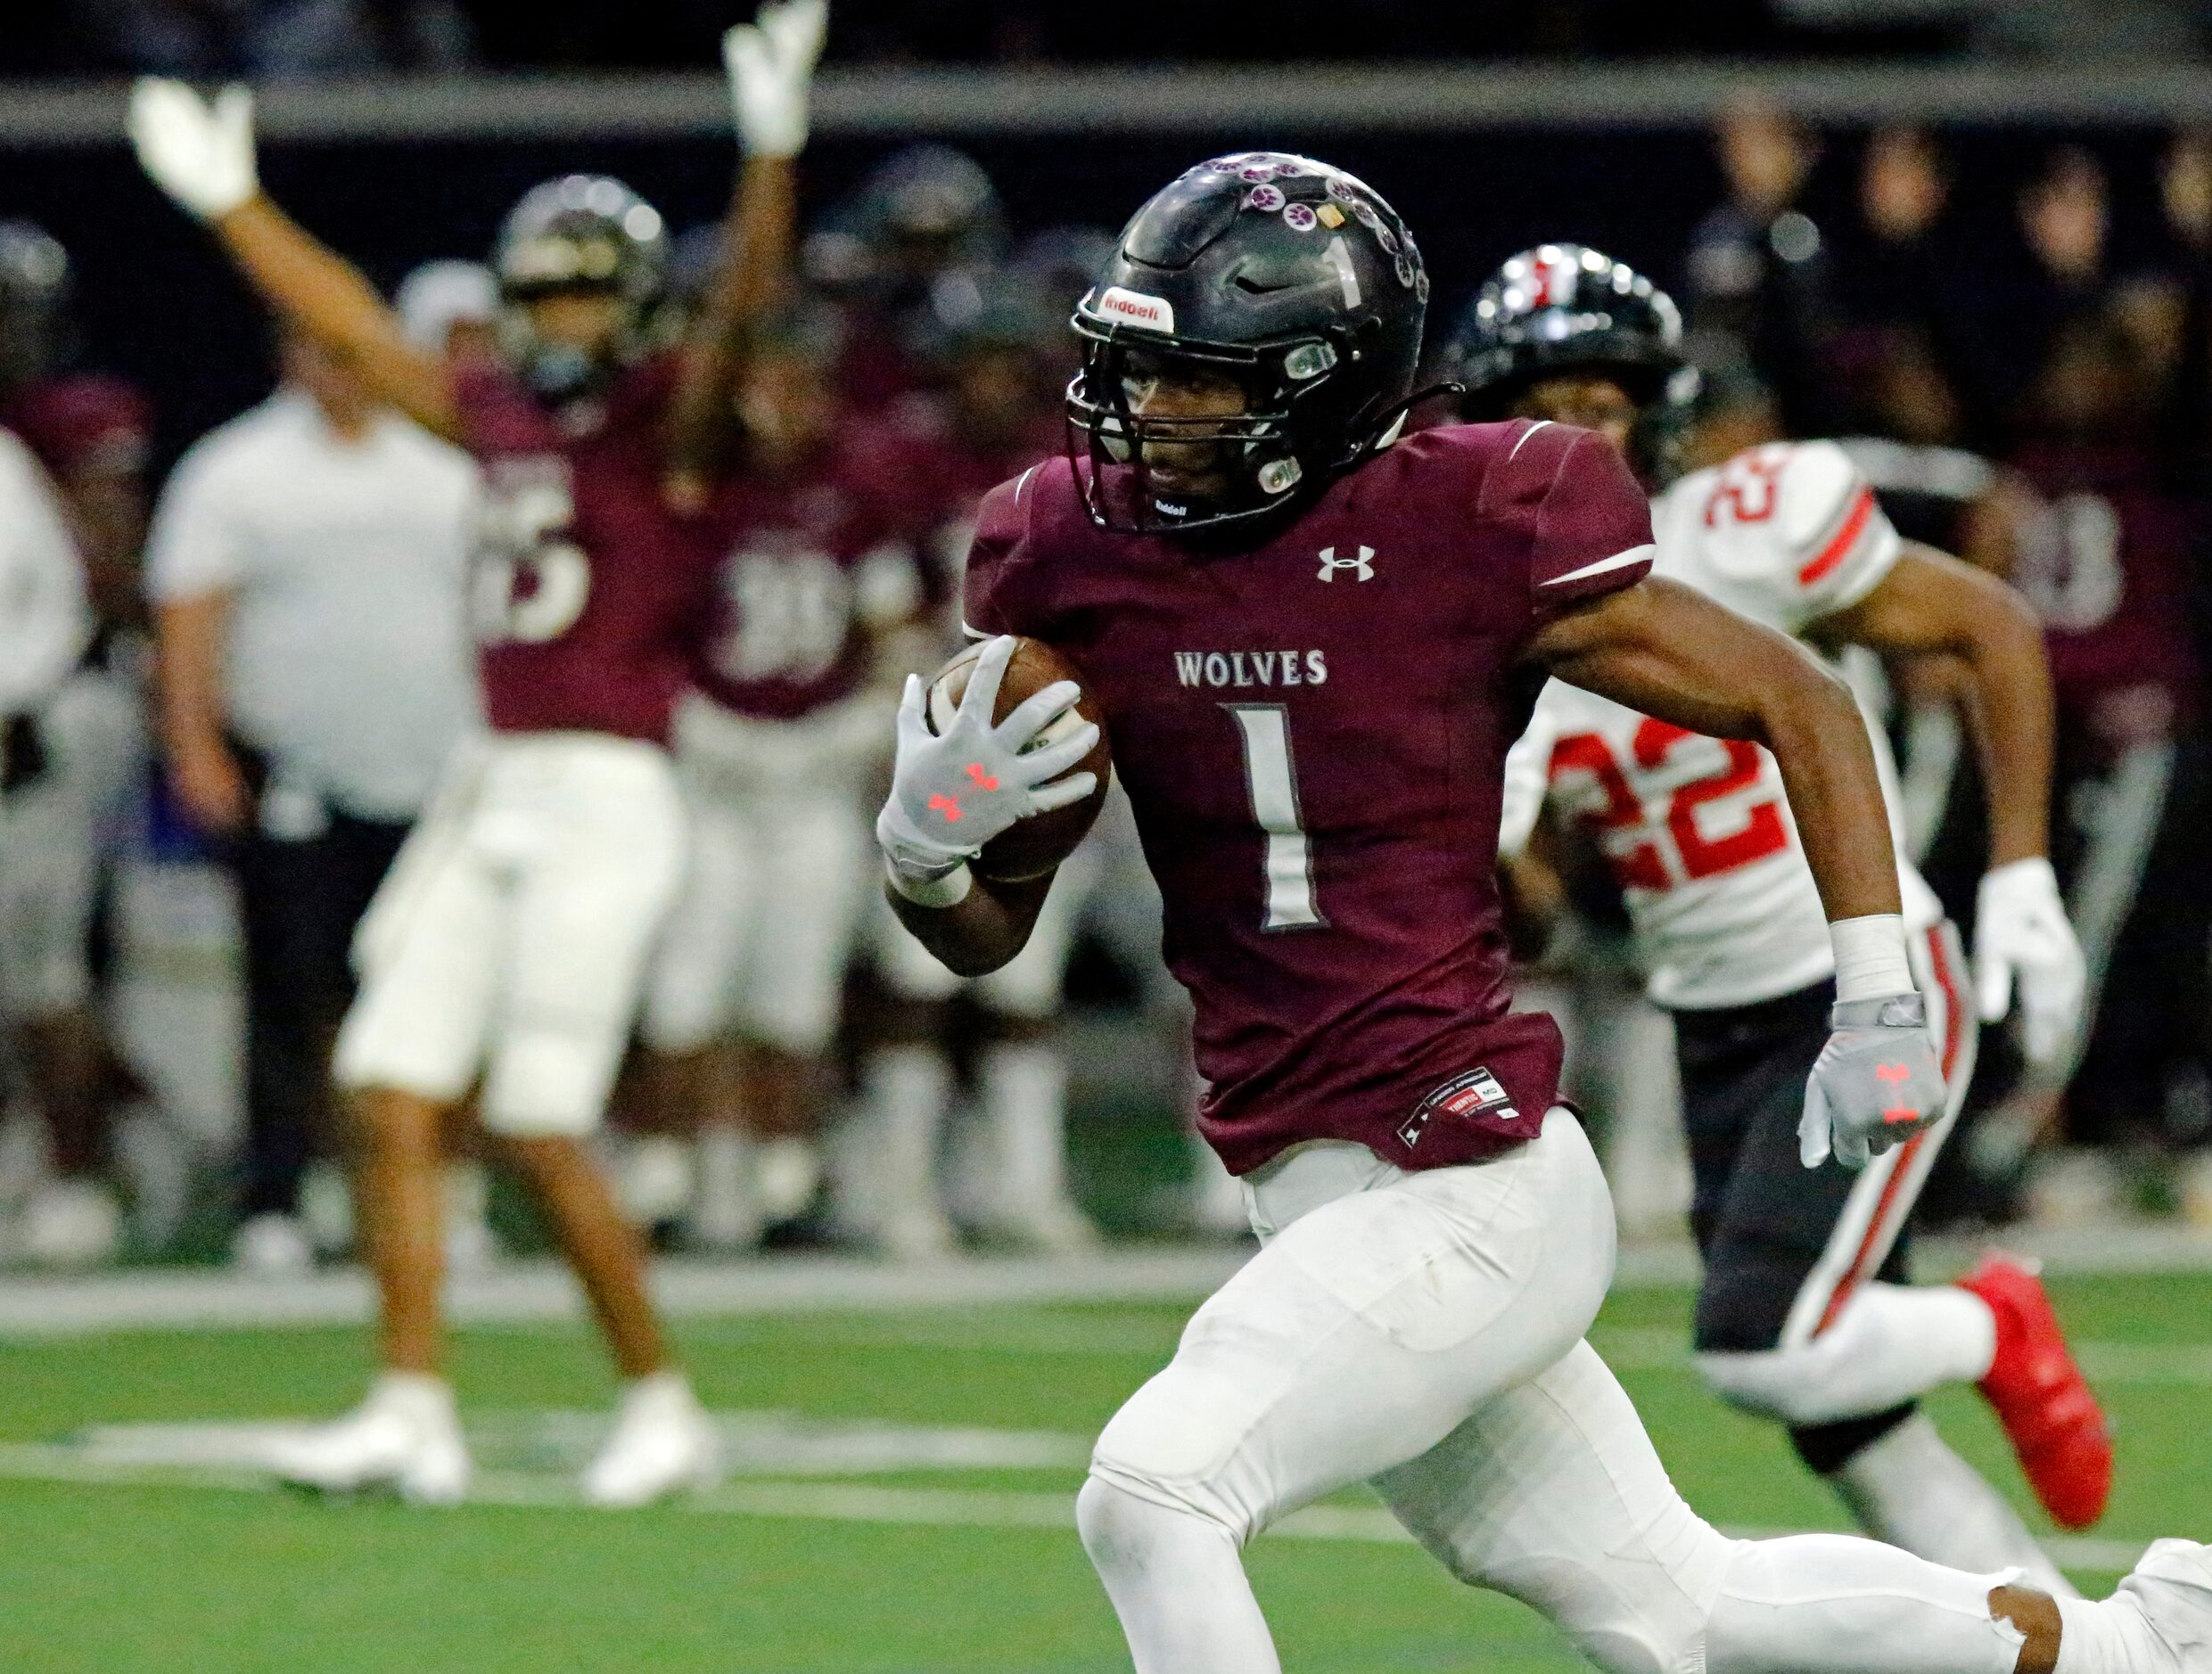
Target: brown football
1035,845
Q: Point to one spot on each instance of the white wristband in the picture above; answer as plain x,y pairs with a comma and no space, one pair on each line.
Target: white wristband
940,892
1870,962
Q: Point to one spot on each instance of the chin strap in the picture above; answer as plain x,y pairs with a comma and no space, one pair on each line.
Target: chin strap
1392,420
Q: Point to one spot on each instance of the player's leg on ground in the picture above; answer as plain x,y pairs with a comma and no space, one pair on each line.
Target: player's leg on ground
1553,1494
1382,1308
599,1243
1792,1323
402,1198
588,910
890,1158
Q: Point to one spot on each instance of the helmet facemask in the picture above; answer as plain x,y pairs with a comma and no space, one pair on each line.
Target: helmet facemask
1167,472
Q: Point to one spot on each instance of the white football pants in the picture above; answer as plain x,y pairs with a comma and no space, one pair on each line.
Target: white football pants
1423,1332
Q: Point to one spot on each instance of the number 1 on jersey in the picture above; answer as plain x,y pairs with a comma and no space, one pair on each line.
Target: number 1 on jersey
1272,779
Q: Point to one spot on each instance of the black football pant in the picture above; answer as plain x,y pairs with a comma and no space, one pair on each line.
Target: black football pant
300,899
1760,1219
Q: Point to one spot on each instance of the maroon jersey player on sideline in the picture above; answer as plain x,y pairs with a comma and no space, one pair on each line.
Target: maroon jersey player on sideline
1311,649
779,746
509,942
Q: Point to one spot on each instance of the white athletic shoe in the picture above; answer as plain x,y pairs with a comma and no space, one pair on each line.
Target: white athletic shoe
71,1224
2172,1589
405,1436
663,1441
272,1247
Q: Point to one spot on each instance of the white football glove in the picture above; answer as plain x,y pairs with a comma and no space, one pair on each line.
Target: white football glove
1876,1083
953,792
770,62
2022,931
201,153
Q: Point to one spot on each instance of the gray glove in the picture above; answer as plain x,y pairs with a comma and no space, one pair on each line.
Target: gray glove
952,793
1876,1084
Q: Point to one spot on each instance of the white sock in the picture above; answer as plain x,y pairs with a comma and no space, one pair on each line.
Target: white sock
1023,1086
908,1091
422,1397
1176,1583
1890,1344
1912,1490
725,1206
1835,1604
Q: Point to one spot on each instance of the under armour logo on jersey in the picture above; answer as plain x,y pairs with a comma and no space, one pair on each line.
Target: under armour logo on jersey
1331,563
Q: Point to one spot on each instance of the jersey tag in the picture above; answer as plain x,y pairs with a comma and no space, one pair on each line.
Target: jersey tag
1474,1092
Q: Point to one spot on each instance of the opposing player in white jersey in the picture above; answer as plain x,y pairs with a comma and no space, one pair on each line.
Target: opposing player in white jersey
1803,1316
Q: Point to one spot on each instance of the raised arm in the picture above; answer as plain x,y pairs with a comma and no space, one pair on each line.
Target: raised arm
1660,648
202,155
1931,603
770,64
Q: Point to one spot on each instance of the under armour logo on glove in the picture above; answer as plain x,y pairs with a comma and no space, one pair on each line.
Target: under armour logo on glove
1876,1084
979,774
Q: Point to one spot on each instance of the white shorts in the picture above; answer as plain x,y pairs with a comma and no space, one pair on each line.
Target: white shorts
781,864
54,836
1423,1332
510,939
1028,986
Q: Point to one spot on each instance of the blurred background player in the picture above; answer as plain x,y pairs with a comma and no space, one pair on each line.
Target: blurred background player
777,745
307,561
77,752
994,342
923,227
511,939
1804,1316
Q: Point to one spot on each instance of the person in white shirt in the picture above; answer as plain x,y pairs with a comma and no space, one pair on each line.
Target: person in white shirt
1804,1315
308,562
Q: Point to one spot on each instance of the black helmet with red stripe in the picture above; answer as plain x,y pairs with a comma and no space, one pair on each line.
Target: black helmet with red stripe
1560,310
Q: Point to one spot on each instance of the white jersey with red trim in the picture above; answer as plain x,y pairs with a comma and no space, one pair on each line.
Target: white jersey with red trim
1696,829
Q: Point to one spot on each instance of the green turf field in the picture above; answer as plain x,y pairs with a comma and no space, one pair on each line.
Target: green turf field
900,1502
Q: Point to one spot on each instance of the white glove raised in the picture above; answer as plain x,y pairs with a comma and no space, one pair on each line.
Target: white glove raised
201,153
2021,932
1876,1083
770,62
953,792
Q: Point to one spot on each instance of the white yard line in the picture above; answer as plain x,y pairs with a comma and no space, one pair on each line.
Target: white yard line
531,1290
853,1503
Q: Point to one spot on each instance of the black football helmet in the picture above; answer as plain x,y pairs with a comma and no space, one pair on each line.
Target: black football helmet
1289,275
35,289
581,234
1565,308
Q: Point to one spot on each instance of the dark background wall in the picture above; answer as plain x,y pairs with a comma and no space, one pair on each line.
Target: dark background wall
160,305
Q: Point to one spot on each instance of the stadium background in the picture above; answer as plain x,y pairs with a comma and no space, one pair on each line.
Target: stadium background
944,1410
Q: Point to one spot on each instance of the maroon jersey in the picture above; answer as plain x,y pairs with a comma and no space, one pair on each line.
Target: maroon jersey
1312,732
2105,558
584,585
810,566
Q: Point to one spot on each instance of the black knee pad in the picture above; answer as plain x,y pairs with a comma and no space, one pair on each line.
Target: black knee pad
1827,1449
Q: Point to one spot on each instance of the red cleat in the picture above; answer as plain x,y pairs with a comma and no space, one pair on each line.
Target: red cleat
2041,1397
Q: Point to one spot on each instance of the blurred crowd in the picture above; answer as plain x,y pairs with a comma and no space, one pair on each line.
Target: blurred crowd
278,39
2025,386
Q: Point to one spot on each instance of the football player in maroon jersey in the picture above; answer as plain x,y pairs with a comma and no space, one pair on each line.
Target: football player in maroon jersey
779,745
1313,643
509,942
